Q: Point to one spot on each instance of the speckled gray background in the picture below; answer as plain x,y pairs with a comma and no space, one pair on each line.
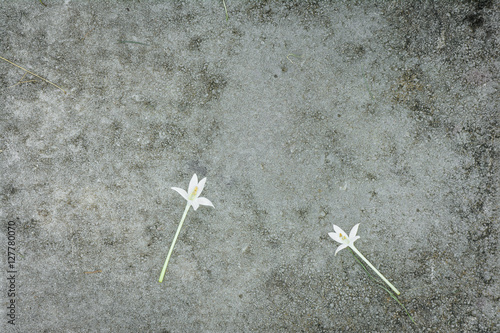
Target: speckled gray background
300,114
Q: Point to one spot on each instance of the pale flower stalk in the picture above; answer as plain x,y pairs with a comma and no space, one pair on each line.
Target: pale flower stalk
193,199
348,241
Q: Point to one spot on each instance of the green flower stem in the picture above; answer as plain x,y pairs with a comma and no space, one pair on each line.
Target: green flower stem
383,287
376,270
173,243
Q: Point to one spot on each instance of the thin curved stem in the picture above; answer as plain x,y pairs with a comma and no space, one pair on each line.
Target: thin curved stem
173,242
381,285
373,267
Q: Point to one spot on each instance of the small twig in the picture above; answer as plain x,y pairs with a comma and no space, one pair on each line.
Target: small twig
293,55
43,3
131,41
97,271
88,33
24,69
21,81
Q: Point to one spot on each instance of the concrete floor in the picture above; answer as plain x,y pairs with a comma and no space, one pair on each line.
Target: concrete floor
301,114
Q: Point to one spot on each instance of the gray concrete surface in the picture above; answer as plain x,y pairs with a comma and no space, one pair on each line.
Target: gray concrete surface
300,114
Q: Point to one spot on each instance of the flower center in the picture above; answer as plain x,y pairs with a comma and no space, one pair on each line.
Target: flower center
193,194
344,238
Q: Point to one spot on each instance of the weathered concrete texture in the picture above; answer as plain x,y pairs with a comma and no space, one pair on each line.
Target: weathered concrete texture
300,114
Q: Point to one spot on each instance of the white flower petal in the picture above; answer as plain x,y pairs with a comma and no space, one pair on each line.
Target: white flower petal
335,237
353,232
195,204
338,230
192,184
341,247
181,192
201,185
204,202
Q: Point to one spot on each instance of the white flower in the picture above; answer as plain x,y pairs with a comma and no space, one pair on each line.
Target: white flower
193,199
193,193
340,236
